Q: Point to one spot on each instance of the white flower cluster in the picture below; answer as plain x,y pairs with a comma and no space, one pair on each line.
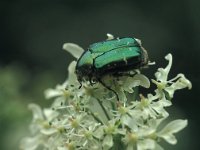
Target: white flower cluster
91,118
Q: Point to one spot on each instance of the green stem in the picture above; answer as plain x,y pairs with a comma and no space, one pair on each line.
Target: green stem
118,144
113,105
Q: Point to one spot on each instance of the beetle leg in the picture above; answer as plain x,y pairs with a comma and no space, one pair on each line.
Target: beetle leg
90,80
109,88
80,85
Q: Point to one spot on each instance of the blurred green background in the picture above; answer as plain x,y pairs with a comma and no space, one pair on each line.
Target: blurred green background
31,57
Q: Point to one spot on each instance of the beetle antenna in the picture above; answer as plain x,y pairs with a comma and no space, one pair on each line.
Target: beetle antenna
106,86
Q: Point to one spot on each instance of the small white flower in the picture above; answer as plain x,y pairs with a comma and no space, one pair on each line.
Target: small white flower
41,118
61,89
170,86
150,107
144,138
40,128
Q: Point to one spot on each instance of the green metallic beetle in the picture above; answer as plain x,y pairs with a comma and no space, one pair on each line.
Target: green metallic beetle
113,57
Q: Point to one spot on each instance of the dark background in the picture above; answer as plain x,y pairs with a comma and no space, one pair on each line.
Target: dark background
31,57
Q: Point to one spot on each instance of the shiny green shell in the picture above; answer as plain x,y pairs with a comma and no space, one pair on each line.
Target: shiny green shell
110,56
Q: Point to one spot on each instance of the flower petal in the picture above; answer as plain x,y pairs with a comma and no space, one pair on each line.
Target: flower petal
73,49
108,142
50,114
62,148
72,79
171,128
99,133
144,81
162,73
109,36
37,112
50,93
146,144
158,147
182,82
49,131
137,80
30,143
129,121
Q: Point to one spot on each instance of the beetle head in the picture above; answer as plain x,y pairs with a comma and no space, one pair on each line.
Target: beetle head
84,73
